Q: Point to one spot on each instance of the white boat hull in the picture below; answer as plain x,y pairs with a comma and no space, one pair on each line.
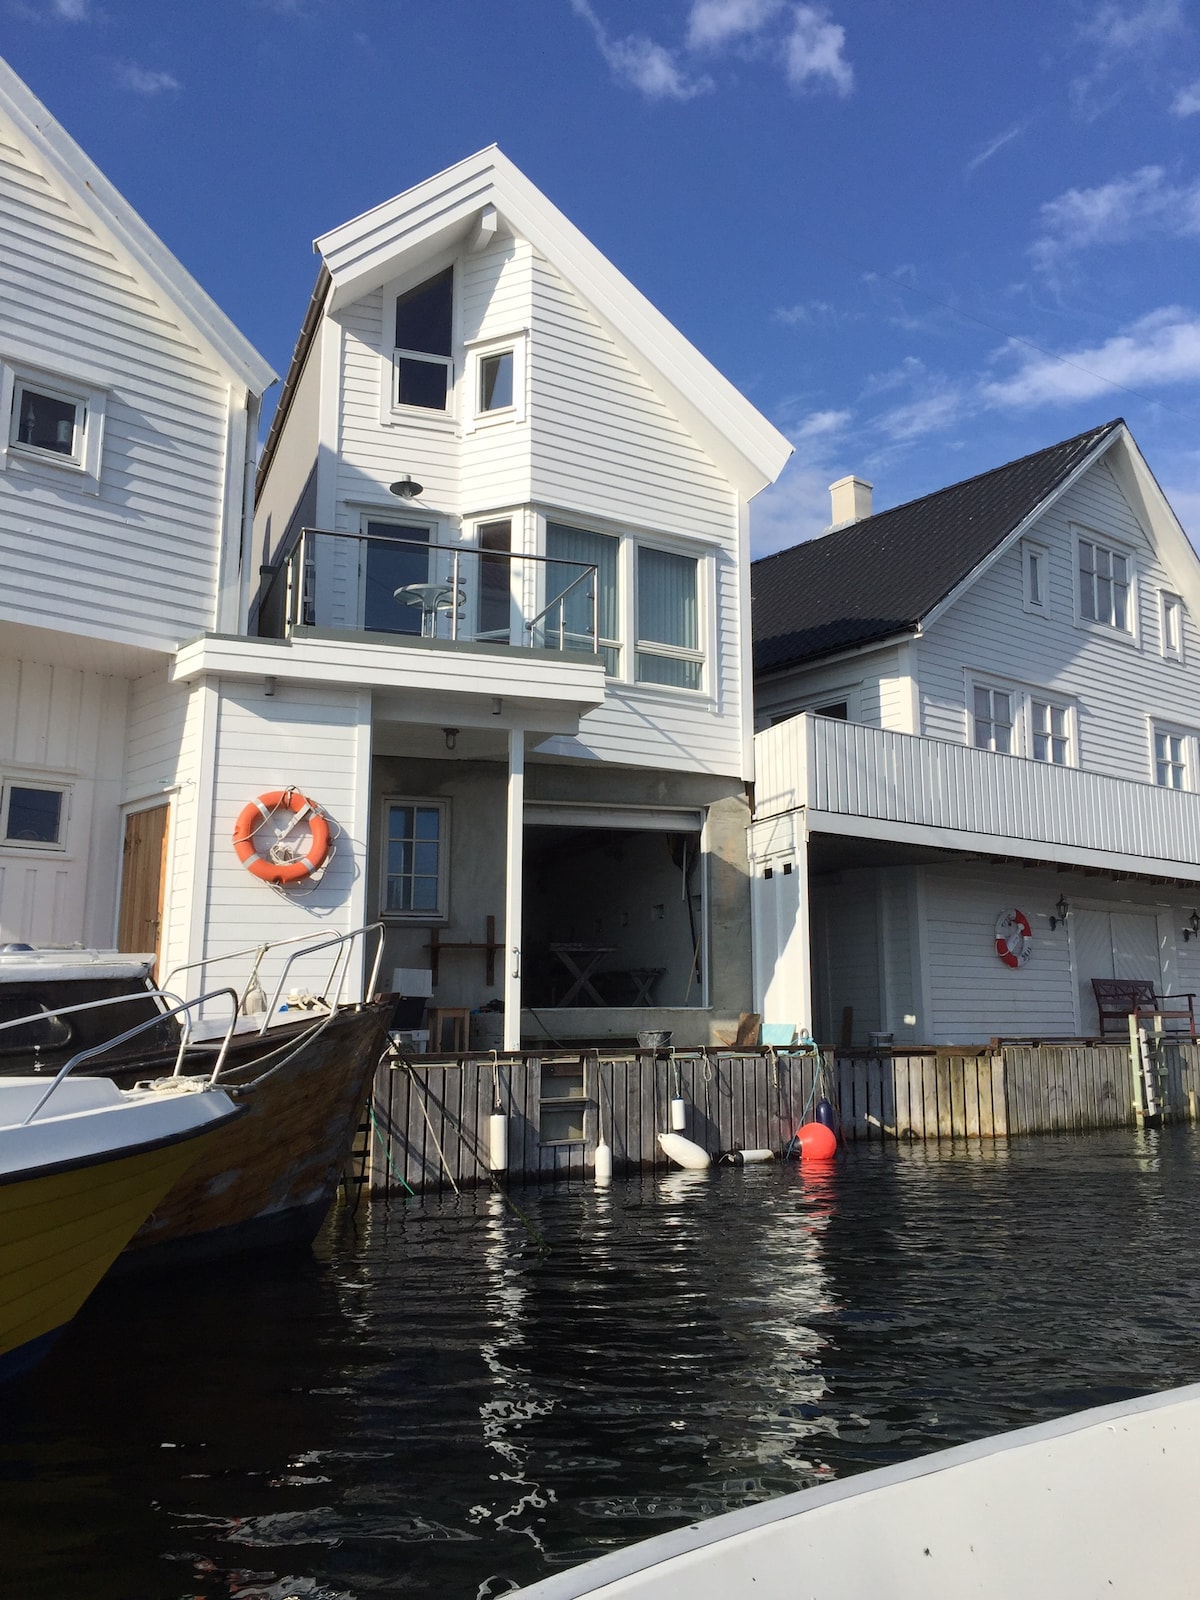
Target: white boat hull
1097,1503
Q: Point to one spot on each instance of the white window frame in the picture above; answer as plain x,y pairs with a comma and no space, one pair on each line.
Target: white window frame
1165,729
1130,635
1022,698
404,526
91,403
442,912
1033,553
17,780
669,652
477,352
1170,605
992,686
391,412
1038,697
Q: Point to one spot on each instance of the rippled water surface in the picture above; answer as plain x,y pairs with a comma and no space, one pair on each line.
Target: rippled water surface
446,1399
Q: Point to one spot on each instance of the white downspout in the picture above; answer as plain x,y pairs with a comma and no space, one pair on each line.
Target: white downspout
514,865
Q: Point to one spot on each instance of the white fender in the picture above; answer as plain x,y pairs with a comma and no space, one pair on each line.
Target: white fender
683,1150
603,1163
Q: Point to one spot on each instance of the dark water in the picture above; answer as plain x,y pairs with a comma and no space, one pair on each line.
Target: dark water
434,1405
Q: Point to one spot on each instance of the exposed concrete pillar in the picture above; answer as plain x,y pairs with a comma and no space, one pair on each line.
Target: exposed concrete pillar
514,866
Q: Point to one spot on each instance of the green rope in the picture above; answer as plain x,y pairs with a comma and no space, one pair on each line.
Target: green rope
387,1152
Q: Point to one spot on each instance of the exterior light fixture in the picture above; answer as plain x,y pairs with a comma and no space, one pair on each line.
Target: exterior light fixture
1060,921
451,737
1193,928
406,488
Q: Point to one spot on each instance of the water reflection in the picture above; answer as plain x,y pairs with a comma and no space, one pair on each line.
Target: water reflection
436,1403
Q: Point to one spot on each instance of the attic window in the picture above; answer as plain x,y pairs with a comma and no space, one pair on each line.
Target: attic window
51,421
424,331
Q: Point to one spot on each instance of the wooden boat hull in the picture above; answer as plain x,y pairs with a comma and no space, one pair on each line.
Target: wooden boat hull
1097,1503
276,1173
61,1230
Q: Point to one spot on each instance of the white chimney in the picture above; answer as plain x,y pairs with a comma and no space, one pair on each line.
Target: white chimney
851,499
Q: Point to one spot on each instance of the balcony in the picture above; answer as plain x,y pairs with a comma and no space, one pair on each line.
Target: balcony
414,592
874,783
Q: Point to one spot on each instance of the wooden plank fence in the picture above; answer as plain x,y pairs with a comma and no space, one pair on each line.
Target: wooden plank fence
429,1116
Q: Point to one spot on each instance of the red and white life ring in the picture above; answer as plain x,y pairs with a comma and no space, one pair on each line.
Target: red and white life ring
280,864
1014,941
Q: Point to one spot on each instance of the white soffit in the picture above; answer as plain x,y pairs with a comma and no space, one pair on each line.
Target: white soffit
363,254
653,819
134,241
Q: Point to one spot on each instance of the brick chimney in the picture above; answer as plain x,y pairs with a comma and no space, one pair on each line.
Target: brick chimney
851,499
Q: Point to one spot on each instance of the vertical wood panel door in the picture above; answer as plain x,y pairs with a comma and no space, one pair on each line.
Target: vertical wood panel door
143,880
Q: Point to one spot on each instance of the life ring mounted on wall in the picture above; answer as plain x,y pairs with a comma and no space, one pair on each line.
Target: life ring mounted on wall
282,862
1014,939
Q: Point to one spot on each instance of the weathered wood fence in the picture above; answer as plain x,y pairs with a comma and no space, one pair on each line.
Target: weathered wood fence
430,1117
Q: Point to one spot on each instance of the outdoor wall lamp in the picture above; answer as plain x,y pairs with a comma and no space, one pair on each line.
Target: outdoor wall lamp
1193,927
407,488
451,737
1060,921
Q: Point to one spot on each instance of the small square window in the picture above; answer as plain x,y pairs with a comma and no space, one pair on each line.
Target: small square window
496,381
51,422
44,421
33,815
414,865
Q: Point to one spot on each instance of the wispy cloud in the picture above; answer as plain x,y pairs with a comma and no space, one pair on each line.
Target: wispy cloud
54,10
71,10
994,146
814,314
1187,102
1160,348
1122,42
801,39
650,68
820,424
1128,207
144,80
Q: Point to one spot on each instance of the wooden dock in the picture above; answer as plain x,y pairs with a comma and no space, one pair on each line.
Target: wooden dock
430,1116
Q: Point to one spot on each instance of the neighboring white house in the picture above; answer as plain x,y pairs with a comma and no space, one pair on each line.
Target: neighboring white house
501,525
128,421
979,703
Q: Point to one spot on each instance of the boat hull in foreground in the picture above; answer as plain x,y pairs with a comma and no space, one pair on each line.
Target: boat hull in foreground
75,1185
1097,1503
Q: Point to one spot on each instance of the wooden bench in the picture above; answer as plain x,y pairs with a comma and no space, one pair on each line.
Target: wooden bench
1119,998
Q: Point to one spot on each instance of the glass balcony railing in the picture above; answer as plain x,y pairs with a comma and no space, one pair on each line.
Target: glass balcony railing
413,589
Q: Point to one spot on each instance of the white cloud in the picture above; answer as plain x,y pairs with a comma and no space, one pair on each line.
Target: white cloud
650,68
995,145
143,80
814,50
1113,212
1160,348
713,23
819,424
1124,41
793,509
72,10
1187,102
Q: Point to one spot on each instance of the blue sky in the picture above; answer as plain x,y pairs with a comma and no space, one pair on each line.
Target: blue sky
922,238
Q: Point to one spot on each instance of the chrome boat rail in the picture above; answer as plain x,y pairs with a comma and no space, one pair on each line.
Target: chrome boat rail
342,942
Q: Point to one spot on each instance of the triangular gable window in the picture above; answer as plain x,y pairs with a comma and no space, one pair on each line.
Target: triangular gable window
424,330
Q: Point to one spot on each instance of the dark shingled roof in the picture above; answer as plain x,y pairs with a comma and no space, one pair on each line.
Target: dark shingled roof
880,576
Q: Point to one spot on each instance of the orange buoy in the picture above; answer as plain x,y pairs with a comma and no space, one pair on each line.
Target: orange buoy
816,1142
288,870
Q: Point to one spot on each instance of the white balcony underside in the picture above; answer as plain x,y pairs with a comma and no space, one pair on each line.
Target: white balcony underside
873,783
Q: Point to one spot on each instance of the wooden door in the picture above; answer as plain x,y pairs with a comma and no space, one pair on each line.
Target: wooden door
143,880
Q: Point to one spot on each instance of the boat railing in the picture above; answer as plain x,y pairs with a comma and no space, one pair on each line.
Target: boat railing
161,995
182,1008
341,942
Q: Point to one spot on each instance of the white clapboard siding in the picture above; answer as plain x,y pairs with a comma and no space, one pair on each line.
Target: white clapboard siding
866,682
258,750
138,560
1114,685
841,769
63,725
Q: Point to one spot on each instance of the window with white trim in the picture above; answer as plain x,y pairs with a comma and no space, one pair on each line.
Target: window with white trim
422,368
1049,732
415,859
1171,758
577,604
668,620
1035,559
33,816
51,421
1171,625
992,719
1105,585
496,381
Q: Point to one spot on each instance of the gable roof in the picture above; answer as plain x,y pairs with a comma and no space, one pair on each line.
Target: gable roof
361,255
120,223
882,576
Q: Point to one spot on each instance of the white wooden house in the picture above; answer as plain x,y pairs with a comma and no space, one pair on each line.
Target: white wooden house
129,412
501,529
980,703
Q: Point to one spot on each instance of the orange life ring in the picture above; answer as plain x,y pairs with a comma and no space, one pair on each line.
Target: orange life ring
1014,938
252,817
